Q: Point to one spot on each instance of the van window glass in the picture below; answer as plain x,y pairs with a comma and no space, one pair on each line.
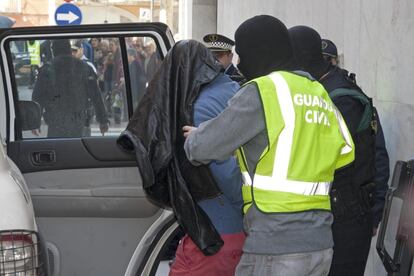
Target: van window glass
78,85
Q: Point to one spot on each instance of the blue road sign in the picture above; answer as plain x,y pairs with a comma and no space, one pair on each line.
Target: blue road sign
68,14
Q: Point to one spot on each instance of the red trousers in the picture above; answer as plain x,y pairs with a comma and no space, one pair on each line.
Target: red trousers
189,260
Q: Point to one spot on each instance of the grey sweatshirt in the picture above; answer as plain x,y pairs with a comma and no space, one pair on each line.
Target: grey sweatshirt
242,123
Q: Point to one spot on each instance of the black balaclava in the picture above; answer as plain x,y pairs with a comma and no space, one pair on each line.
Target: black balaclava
307,45
61,47
263,45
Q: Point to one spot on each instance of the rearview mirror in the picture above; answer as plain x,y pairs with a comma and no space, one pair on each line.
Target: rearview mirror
30,115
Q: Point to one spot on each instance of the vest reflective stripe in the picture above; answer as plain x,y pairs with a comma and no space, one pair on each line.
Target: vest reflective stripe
288,186
285,139
345,133
272,201
283,184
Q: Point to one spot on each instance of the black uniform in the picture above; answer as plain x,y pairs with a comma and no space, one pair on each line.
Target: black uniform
382,173
64,90
235,74
382,162
353,189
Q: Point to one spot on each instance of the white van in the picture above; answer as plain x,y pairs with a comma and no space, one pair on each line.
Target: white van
19,240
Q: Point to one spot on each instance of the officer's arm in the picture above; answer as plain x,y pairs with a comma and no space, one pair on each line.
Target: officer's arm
217,139
382,172
351,110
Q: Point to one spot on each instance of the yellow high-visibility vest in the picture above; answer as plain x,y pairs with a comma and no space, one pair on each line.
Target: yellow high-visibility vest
34,52
307,141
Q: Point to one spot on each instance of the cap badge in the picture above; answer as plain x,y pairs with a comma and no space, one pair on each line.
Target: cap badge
324,45
213,38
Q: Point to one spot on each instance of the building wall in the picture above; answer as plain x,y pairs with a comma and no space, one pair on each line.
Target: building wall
101,14
376,38
26,12
204,18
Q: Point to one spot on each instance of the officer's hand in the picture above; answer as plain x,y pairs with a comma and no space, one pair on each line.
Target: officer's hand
104,128
187,130
374,231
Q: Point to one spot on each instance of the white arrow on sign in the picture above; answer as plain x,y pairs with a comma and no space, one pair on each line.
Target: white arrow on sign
70,17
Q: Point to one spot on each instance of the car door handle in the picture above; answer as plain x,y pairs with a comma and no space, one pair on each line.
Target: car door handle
46,157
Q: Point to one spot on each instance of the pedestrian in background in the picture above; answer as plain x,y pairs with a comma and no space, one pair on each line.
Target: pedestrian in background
63,90
137,77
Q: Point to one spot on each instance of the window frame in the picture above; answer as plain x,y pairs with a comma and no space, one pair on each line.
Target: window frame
14,132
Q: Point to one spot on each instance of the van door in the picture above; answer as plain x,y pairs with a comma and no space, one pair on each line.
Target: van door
70,92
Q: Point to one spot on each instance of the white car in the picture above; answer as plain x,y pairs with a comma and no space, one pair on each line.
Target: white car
19,239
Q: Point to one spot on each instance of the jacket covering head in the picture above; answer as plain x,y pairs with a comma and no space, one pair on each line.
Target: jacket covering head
263,45
155,134
307,45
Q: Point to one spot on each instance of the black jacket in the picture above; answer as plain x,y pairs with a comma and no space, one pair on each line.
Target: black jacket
382,161
382,173
235,74
353,188
155,134
66,90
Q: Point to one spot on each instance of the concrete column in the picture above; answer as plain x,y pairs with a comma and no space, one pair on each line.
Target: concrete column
204,18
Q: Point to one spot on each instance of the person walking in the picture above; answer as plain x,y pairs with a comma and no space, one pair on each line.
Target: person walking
64,89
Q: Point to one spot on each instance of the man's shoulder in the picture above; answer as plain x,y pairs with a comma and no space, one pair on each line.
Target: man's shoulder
222,82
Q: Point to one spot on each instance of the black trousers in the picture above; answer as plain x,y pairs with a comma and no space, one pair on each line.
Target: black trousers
352,242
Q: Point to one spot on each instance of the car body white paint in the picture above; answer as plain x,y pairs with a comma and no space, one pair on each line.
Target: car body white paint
16,209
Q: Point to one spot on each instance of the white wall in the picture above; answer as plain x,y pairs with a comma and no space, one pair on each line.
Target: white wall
99,14
204,18
377,40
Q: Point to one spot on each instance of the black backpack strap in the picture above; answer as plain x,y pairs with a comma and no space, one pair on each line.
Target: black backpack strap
367,116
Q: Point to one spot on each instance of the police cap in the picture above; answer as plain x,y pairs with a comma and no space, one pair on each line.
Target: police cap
217,43
329,48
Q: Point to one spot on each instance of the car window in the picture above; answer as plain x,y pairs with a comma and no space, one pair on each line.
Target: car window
72,88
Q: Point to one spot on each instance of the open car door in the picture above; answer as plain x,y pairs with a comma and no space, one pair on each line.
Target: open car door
87,194
395,244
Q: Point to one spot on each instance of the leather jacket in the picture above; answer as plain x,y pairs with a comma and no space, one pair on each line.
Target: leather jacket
155,134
